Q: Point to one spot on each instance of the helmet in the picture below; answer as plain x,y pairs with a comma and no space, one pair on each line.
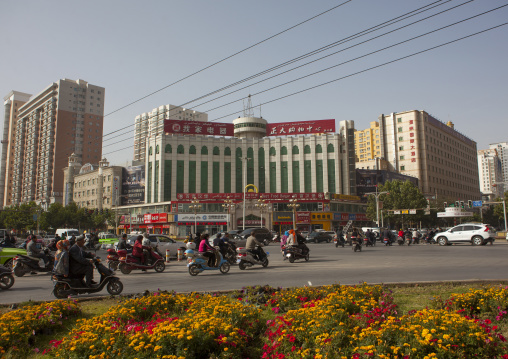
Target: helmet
190,245
189,252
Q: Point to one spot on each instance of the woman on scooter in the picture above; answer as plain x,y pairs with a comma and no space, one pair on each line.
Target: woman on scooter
206,250
61,267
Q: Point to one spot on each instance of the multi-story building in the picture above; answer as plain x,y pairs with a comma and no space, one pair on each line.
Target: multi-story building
318,169
368,143
152,124
92,186
12,102
65,118
445,161
490,174
502,153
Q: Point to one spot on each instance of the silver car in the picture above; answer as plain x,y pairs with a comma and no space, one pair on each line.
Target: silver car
475,233
162,242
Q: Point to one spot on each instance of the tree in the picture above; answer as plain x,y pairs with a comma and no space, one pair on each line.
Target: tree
402,195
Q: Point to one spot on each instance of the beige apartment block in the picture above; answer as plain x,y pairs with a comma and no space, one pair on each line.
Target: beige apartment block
367,143
490,173
92,185
12,102
64,118
152,124
445,161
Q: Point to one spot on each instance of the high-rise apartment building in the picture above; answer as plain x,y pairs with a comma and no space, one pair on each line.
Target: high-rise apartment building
445,162
64,118
152,124
490,173
502,153
367,143
12,102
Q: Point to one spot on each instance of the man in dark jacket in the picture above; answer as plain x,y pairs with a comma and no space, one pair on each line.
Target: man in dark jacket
81,261
122,243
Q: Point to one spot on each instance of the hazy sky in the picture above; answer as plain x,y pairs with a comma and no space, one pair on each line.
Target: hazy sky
133,48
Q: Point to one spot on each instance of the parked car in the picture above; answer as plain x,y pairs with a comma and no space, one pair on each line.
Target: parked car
6,255
474,233
320,236
163,242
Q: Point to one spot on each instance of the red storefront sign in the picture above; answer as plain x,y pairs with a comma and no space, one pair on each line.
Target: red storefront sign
303,197
300,128
155,218
302,217
198,128
344,216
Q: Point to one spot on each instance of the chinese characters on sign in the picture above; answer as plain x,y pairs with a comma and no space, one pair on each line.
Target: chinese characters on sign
300,128
198,128
185,197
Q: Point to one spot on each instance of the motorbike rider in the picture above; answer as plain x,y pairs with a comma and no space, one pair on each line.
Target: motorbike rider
300,240
370,236
122,243
147,253
34,250
137,250
206,250
251,246
9,241
416,236
283,243
80,261
62,258
387,237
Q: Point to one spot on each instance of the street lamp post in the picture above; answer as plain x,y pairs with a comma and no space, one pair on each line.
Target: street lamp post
244,188
195,207
294,206
262,206
377,194
228,205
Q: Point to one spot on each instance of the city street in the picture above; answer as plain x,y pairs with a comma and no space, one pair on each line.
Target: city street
327,265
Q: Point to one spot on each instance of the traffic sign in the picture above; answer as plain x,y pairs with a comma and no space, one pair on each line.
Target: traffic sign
477,203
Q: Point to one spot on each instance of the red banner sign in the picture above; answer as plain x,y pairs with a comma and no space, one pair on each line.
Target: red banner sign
302,217
155,218
303,197
198,128
300,128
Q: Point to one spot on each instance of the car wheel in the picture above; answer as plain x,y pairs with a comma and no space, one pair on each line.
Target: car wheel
114,287
477,240
224,268
443,241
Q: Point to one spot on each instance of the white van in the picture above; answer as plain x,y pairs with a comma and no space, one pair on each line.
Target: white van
67,232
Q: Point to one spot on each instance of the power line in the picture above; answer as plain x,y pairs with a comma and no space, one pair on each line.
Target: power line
336,43
230,56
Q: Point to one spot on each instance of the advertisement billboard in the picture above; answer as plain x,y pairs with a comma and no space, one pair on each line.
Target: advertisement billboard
133,185
300,128
198,128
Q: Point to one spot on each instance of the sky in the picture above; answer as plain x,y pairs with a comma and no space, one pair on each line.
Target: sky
144,53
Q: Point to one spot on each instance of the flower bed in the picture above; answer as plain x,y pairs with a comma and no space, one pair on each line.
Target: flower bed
263,322
18,328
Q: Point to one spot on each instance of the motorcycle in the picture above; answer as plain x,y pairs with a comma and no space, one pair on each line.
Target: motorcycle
197,262
91,244
65,286
409,240
369,242
128,262
23,264
113,258
357,244
246,258
6,278
294,252
400,241
339,241
229,252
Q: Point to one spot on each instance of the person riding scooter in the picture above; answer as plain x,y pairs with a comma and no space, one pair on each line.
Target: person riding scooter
81,262
34,250
206,250
122,243
137,250
254,246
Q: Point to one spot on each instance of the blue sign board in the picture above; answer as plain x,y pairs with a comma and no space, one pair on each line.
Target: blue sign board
477,203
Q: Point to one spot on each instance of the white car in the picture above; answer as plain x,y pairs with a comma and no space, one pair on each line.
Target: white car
162,242
474,233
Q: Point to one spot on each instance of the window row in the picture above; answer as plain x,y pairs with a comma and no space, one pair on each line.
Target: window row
227,151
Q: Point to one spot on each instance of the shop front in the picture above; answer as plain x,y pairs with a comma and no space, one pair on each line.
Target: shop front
321,220
156,223
283,221
190,223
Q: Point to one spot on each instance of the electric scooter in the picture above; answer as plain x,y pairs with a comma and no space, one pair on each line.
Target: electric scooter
198,263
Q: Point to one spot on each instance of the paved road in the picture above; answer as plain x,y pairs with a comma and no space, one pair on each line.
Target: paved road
327,265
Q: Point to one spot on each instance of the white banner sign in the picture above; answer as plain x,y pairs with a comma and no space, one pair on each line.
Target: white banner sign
202,217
